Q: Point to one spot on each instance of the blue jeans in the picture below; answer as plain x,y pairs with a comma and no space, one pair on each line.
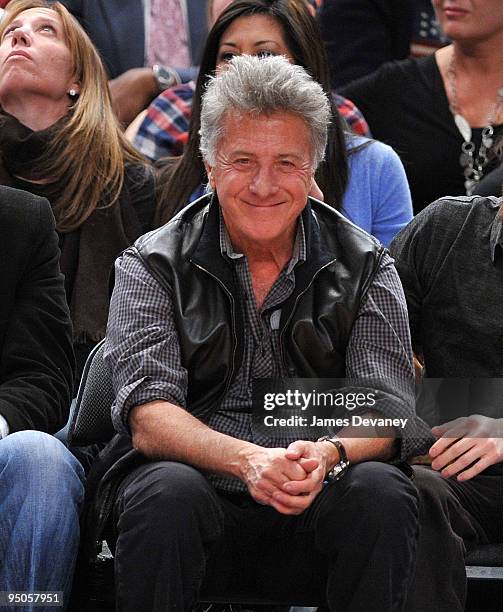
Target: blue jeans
41,492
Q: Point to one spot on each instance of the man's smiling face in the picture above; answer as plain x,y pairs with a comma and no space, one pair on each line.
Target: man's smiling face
262,175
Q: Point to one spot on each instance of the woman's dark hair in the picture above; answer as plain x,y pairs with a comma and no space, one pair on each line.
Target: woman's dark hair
178,180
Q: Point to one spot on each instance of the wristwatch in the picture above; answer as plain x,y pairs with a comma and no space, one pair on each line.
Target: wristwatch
165,77
340,468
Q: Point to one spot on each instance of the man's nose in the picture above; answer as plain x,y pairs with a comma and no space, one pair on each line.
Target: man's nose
20,37
263,183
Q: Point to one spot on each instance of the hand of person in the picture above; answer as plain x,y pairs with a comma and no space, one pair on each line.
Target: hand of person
297,495
132,91
134,126
266,470
467,446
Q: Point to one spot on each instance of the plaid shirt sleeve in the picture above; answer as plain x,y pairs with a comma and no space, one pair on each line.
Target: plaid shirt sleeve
380,353
142,347
165,129
352,116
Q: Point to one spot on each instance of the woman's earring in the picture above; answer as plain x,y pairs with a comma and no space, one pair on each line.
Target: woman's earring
73,93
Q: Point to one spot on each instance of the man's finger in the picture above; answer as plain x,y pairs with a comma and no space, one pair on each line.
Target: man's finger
300,487
308,465
284,509
266,487
296,450
293,470
295,502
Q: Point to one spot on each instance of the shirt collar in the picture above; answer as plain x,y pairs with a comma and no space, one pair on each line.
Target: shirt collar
299,247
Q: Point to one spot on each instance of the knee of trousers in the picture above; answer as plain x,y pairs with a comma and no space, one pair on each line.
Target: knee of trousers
35,456
376,492
36,466
168,495
437,500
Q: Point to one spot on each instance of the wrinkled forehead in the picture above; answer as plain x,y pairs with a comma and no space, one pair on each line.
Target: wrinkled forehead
278,132
259,119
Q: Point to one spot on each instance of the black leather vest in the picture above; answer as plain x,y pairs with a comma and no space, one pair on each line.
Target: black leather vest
316,322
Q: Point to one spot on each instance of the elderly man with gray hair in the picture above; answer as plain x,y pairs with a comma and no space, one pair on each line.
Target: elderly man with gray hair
256,280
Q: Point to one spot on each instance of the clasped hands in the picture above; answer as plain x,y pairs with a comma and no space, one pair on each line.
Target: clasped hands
467,446
288,479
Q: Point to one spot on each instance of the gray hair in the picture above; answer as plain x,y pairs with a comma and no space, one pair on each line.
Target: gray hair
257,85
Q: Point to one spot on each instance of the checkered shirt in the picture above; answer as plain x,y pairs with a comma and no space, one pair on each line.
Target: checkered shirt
352,116
165,129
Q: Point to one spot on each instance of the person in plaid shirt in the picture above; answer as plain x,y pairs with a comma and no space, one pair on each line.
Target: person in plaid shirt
165,128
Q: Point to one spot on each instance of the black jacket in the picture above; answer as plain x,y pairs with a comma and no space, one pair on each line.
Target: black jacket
184,256
36,357
315,328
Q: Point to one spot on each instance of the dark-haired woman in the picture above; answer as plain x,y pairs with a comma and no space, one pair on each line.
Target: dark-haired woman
364,179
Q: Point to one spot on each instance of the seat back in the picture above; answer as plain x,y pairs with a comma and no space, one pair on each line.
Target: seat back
91,421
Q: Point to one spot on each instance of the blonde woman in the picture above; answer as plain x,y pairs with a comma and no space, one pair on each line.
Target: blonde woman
60,139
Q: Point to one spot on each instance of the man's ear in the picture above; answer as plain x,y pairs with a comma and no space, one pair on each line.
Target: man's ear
209,172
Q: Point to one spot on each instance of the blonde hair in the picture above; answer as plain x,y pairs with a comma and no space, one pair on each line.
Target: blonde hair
88,152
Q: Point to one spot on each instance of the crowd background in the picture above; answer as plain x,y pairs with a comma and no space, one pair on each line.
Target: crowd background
106,128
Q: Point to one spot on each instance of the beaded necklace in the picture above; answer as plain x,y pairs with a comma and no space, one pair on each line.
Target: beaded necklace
473,164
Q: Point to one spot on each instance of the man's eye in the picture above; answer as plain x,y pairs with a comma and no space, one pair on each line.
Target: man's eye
285,163
243,161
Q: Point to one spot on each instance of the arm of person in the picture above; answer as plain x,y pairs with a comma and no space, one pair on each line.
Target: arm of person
133,90
391,202
165,127
132,129
380,352
467,446
377,197
143,352
408,248
352,115
36,355
164,430
379,349
372,94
